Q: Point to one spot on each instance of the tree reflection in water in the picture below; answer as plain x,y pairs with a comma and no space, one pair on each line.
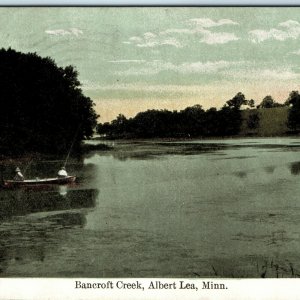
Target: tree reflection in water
32,222
295,168
22,201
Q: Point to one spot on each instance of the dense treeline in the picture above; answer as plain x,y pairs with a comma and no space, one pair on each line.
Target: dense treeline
294,113
196,122
42,106
190,122
268,102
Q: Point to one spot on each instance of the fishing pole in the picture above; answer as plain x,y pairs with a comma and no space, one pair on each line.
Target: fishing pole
30,162
71,146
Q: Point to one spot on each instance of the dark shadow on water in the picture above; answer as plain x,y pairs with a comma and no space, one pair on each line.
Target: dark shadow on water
67,219
157,150
241,157
34,239
295,168
137,156
141,151
269,169
32,225
236,157
21,202
241,174
153,149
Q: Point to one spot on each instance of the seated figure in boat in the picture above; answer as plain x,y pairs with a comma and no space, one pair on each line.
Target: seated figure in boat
62,173
19,176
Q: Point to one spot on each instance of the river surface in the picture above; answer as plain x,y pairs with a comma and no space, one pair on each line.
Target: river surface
213,208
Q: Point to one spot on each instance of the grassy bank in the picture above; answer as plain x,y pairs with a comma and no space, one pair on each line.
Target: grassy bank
272,122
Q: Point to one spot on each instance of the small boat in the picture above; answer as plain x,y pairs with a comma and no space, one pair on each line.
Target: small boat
39,181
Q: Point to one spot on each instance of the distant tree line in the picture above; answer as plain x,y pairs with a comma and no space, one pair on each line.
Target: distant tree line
190,122
268,102
43,108
294,112
194,121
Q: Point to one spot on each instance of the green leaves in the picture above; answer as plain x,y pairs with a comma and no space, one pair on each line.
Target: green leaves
41,104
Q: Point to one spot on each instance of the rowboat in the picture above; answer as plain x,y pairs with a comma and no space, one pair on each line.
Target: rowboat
39,181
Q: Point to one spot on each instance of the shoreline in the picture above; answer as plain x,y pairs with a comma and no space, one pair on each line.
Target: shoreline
236,137
28,156
86,148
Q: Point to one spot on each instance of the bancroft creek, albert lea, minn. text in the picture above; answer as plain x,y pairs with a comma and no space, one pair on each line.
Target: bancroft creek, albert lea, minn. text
152,285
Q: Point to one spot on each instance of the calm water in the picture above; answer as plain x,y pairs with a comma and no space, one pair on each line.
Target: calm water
227,208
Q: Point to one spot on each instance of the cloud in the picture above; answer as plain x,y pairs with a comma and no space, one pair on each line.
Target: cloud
63,32
258,36
176,36
148,90
233,70
148,44
151,40
286,30
207,23
190,89
297,52
157,66
149,35
135,39
178,30
148,68
172,42
254,74
289,24
212,38
206,36
122,61
206,67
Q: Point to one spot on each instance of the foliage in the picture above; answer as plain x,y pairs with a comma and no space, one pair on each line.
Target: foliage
294,112
193,121
229,120
253,121
42,105
251,103
237,101
268,102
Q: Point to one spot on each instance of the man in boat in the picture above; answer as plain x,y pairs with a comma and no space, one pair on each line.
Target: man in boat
19,176
62,173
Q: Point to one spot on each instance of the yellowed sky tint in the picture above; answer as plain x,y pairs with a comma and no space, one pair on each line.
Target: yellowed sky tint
207,96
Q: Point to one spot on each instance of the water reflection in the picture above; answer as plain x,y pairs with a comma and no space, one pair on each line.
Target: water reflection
67,219
295,168
269,169
150,214
241,174
63,190
154,150
22,201
32,223
35,238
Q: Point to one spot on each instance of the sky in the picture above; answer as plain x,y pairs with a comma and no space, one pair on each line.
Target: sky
133,59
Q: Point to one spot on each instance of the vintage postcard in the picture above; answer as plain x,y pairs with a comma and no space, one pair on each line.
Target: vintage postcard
149,150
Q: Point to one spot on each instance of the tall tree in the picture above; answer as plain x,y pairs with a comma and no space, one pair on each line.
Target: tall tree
267,102
237,101
43,108
294,112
